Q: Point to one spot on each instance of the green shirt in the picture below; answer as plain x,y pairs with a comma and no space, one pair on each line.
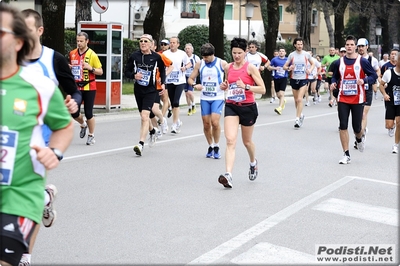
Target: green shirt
328,59
28,101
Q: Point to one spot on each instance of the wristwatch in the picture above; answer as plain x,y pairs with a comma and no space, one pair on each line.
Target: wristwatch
247,87
93,70
58,153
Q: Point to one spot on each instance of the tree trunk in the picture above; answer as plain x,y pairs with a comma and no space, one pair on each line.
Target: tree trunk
305,22
270,17
326,6
83,11
216,32
154,19
339,7
53,13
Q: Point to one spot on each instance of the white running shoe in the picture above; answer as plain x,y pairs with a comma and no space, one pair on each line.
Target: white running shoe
49,213
225,180
297,123
138,149
302,119
164,126
272,100
361,145
395,148
391,131
90,140
307,103
158,132
152,140
345,160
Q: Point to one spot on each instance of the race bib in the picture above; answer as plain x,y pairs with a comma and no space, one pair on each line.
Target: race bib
235,93
77,72
349,87
396,97
145,77
8,150
299,69
280,72
366,87
173,77
209,89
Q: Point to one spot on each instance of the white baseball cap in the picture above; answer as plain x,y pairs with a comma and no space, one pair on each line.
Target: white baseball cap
342,49
362,41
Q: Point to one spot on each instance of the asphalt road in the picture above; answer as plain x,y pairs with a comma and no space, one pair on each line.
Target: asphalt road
167,206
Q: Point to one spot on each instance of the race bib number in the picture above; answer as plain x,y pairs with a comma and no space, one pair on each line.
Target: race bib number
8,150
396,97
209,89
77,72
280,72
366,86
145,77
349,87
299,69
235,93
173,77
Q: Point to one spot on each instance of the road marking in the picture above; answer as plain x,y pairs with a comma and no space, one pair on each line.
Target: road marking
375,180
359,210
258,229
273,254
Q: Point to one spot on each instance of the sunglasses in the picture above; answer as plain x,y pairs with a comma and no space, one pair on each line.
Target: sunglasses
342,51
146,41
361,46
164,44
3,31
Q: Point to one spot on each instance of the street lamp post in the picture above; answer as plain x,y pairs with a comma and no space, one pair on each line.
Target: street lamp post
249,14
378,32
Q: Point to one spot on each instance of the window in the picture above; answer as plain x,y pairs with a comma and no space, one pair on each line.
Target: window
228,15
202,10
314,17
280,13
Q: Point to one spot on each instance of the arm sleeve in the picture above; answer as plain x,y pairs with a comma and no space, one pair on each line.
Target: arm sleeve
161,68
334,67
65,79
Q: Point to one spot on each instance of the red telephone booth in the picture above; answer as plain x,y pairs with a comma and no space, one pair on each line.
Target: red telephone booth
105,38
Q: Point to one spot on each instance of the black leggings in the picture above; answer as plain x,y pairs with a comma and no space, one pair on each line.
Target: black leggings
356,110
88,101
174,93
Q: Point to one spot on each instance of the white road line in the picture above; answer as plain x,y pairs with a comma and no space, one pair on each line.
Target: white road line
178,139
359,210
258,229
273,254
375,180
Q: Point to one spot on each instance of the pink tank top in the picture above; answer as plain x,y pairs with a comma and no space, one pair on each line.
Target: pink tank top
236,94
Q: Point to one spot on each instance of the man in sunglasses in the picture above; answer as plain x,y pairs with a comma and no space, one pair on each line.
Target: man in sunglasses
142,66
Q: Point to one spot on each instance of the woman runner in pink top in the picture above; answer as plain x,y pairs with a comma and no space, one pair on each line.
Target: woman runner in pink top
242,81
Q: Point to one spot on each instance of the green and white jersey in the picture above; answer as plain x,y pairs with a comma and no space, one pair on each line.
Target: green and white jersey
28,101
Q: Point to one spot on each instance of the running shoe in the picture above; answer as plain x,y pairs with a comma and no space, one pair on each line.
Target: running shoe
225,180
272,100
158,133
138,149
164,126
90,140
24,262
178,126
253,172
395,148
307,103
278,110
173,129
210,152
217,155
193,109
361,145
391,131
152,140
82,134
330,103
345,160
169,113
302,119
355,145
297,123
49,213
319,99
190,112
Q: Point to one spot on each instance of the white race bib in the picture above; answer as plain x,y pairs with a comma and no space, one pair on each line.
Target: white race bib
349,87
77,72
145,77
209,89
235,93
8,150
